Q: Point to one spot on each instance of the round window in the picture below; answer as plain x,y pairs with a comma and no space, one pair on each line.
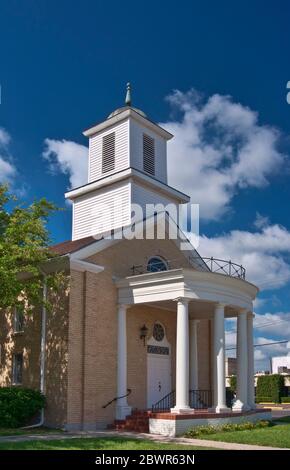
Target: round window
156,264
158,332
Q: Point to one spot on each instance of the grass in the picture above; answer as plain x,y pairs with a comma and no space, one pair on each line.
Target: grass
277,435
112,443
24,432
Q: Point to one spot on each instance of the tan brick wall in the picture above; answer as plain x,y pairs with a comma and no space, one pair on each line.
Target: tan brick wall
203,351
13,343
28,343
81,360
56,360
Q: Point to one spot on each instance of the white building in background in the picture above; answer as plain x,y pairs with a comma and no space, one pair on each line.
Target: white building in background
280,365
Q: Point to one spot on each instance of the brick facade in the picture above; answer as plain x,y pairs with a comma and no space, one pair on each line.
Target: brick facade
81,351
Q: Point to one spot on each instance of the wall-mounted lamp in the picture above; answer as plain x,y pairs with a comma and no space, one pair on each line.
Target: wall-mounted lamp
143,333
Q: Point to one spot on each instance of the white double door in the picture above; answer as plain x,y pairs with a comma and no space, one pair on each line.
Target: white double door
158,377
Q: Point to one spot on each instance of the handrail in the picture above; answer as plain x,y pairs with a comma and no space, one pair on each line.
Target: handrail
200,399
165,404
129,391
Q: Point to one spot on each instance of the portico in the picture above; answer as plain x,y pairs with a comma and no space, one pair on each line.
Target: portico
194,296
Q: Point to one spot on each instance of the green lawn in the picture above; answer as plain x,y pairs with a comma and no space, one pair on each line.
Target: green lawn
21,432
112,443
274,436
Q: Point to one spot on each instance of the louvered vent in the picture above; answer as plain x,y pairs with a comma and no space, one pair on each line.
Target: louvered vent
148,154
108,163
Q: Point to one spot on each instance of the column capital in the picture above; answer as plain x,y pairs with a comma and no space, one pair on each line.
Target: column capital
219,305
182,300
243,311
123,306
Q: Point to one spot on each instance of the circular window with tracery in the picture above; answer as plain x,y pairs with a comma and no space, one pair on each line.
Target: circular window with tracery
156,264
158,332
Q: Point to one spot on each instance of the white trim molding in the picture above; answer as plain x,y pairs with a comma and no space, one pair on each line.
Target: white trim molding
83,266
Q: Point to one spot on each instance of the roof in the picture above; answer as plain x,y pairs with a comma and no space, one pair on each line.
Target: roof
70,246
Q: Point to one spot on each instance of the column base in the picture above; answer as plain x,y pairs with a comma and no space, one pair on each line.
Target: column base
122,411
183,409
252,406
240,406
219,409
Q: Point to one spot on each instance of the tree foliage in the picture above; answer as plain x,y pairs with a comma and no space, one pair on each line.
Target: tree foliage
24,247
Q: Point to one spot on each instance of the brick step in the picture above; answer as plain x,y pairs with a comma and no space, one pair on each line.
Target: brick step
138,421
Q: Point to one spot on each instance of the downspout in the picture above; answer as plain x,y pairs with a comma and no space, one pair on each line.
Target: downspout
42,352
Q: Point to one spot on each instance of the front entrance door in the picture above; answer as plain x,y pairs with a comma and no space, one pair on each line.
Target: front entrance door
159,377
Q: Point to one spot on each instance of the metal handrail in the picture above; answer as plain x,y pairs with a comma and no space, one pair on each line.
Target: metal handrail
200,399
215,265
165,404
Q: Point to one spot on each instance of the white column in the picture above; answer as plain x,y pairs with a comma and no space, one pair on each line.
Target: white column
182,358
241,403
219,359
251,368
213,365
122,408
193,362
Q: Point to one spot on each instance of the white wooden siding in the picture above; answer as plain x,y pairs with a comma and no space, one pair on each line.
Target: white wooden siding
101,210
142,196
136,150
121,151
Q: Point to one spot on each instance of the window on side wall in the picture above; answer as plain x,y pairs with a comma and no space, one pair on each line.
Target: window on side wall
18,320
17,369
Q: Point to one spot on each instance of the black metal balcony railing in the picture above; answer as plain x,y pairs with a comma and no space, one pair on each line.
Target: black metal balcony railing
215,265
228,268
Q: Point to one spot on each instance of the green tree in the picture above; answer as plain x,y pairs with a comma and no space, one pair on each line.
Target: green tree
24,247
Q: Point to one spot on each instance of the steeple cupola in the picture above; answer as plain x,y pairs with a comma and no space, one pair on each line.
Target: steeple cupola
127,165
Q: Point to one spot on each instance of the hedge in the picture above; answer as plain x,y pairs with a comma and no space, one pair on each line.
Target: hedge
233,383
264,400
271,386
285,399
18,405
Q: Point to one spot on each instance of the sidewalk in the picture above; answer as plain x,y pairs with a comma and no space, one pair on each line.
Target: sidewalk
132,435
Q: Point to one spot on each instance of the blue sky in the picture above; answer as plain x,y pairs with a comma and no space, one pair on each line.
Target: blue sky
64,66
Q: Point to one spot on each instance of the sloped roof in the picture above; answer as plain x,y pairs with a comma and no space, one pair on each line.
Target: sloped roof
70,246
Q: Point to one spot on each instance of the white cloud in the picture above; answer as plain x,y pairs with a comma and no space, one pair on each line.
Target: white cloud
69,158
7,169
218,149
264,253
277,324
268,328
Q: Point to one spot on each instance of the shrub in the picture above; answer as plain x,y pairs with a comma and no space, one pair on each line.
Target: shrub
264,400
229,427
285,399
18,405
271,386
233,383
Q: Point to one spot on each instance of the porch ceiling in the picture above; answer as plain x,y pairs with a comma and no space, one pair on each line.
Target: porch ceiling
198,286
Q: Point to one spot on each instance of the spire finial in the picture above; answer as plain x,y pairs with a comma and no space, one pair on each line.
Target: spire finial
128,95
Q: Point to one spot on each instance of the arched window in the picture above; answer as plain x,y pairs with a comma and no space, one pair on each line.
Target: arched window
156,264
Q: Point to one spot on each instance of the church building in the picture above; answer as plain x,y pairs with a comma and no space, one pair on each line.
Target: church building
137,339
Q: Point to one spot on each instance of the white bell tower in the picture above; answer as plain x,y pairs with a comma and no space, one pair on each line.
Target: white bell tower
127,165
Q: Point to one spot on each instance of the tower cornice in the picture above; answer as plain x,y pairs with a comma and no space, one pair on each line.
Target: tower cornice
126,113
